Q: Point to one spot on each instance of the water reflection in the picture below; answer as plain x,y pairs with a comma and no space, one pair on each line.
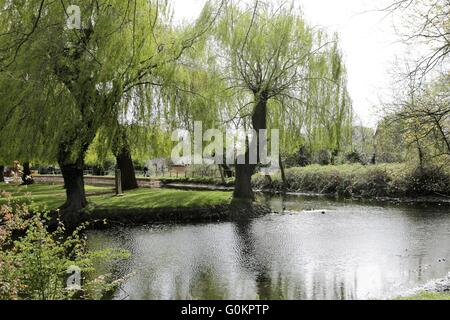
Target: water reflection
352,252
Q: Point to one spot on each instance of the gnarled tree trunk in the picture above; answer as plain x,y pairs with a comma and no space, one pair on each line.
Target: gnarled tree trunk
76,201
243,185
125,164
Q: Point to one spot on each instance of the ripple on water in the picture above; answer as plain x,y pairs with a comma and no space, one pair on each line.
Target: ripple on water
352,251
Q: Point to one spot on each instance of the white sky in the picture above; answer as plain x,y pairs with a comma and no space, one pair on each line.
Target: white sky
368,40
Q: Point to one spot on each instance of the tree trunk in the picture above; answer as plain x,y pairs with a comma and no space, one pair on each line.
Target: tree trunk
125,164
243,185
2,175
122,152
228,172
26,174
421,155
283,174
75,193
222,176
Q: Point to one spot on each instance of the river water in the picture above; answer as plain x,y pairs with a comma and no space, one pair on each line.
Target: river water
352,251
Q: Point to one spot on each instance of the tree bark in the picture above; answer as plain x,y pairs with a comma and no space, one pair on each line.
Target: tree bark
421,155
75,194
222,176
283,174
125,164
26,173
2,174
243,185
228,172
72,172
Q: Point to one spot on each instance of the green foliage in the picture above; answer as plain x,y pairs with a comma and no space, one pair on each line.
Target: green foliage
354,157
63,85
394,180
390,145
34,262
426,295
272,53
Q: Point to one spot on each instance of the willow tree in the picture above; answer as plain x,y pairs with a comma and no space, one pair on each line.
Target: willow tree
85,70
134,128
320,117
266,50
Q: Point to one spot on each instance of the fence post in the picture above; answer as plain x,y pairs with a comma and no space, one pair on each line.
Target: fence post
118,182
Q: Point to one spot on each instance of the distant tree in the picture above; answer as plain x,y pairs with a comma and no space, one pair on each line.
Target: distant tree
425,25
390,145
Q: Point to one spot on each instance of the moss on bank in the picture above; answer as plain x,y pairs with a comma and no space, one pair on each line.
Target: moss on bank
425,295
387,180
53,196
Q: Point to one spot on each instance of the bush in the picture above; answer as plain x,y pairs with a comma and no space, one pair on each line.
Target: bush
301,158
430,180
392,180
323,157
34,262
354,157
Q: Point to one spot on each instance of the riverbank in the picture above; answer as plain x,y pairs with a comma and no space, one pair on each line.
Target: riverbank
144,205
387,182
434,290
390,183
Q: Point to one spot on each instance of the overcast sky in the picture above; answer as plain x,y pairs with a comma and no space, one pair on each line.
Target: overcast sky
368,40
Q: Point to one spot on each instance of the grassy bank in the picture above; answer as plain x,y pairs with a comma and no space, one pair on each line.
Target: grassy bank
53,196
427,296
162,198
229,182
388,180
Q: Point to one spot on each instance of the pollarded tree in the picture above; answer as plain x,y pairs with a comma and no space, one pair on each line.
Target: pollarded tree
265,50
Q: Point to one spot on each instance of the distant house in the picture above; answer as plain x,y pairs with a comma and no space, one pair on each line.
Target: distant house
178,169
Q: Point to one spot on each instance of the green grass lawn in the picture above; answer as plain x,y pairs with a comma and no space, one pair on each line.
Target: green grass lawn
162,198
427,296
43,195
53,196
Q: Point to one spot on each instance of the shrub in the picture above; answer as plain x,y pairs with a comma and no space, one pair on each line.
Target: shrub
389,180
428,181
323,157
354,157
34,262
301,158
